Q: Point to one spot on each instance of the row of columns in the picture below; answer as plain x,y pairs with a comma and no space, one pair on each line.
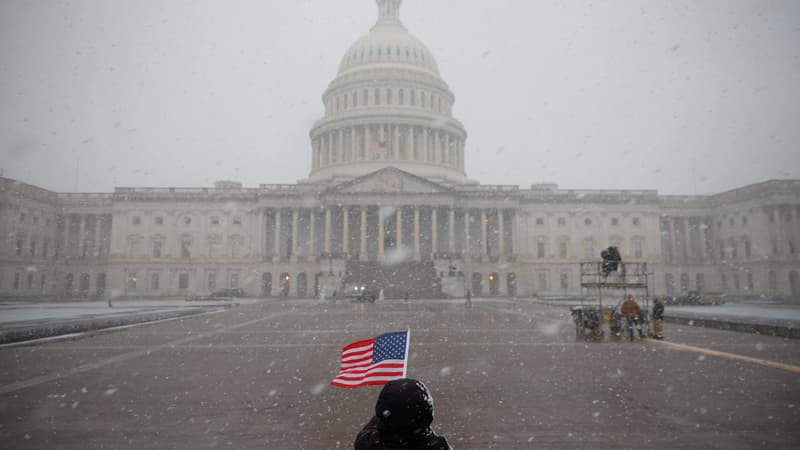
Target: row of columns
97,249
402,143
679,237
328,232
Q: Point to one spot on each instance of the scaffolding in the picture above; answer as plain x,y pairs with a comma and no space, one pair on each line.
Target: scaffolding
603,292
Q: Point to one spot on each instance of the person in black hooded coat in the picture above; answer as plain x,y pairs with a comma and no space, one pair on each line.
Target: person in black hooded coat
403,416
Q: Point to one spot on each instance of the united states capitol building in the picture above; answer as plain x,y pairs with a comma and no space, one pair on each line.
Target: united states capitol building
387,202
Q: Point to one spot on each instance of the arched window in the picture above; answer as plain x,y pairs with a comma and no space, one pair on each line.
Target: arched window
422,98
377,98
401,97
355,99
388,96
412,97
365,97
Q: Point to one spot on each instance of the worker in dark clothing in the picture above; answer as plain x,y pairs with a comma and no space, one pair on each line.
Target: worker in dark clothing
403,416
658,319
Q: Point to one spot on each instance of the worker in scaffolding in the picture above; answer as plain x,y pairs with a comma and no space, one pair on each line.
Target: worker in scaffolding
630,309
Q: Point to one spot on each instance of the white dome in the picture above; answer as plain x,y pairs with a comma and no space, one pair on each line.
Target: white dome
388,43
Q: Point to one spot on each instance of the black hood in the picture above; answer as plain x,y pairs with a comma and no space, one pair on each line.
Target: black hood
404,406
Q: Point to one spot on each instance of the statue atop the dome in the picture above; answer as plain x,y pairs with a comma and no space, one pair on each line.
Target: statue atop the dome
389,10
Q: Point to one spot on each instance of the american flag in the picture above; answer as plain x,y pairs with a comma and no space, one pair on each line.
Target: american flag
379,148
373,361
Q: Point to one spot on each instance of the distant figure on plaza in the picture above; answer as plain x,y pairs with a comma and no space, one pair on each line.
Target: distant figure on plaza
469,298
402,420
405,297
630,309
380,296
333,298
658,319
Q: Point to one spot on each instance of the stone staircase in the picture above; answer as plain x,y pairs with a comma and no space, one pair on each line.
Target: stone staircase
417,278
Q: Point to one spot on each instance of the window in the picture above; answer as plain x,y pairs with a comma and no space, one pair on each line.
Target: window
744,220
186,244
33,248
211,281
723,281
587,221
377,97
562,249
17,278
539,221
614,221
237,220
542,275
187,220
401,97
22,218
565,281
636,221
159,220
137,220
30,281
700,282
684,282
588,248
388,96
20,245
750,282
773,281
43,281
562,221
669,284
44,249
36,220
132,281
215,221
637,248
234,281
747,250
183,281
735,281
157,248
540,249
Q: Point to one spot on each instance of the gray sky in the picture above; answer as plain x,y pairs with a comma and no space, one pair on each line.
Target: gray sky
604,94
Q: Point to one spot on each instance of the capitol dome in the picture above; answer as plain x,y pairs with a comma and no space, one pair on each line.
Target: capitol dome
388,106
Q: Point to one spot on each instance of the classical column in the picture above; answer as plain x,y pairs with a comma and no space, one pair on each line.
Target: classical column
381,236
434,234
295,223
345,231
467,246
340,149
95,237
365,150
484,244
328,230
451,231
446,149
686,239
351,149
65,247
501,235
416,233
410,143
312,230
399,228
276,251
82,235
396,143
363,249
424,144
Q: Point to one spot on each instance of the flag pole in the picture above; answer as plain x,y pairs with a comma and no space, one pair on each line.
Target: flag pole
408,340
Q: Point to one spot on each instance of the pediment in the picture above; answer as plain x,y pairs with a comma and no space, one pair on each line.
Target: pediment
391,180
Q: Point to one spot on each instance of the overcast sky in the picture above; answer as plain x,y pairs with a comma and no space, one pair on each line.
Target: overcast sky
680,96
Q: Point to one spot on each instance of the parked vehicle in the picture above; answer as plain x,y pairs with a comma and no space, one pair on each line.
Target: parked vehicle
359,293
228,292
689,298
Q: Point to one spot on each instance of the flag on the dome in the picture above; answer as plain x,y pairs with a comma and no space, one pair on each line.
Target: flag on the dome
379,148
375,361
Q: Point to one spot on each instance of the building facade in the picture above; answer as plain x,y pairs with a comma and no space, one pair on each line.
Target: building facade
387,203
